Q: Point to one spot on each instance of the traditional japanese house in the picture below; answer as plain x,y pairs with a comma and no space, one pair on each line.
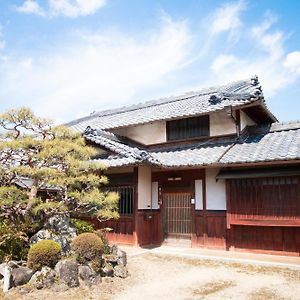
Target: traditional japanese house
212,168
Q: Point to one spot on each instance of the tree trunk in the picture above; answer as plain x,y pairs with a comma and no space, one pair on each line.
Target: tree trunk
32,193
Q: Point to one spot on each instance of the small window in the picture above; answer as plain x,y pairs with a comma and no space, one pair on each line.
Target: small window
126,194
188,128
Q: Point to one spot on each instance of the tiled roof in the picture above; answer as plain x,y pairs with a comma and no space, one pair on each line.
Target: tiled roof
195,103
279,142
112,143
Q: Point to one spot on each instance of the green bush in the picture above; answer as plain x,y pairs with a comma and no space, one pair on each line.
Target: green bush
87,246
82,226
43,253
102,235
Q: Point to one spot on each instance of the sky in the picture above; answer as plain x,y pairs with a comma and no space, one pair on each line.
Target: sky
65,59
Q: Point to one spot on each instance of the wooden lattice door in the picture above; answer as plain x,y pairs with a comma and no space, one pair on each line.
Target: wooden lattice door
177,215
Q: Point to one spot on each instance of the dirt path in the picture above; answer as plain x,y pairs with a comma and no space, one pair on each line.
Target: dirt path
160,277
163,277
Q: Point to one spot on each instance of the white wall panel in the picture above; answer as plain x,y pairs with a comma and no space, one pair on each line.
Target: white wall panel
215,191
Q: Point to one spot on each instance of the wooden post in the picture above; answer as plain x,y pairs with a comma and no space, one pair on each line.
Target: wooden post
6,281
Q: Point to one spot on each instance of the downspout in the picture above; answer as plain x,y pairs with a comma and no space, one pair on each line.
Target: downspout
236,119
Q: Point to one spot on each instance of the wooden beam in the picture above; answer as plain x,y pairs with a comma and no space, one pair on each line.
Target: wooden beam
266,222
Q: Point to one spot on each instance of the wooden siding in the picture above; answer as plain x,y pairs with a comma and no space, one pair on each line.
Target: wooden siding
265,239
210,231
149,229
122,230
265,201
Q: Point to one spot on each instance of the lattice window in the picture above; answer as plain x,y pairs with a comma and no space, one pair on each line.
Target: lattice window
126,201
188,128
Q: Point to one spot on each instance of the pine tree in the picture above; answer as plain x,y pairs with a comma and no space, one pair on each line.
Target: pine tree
46,170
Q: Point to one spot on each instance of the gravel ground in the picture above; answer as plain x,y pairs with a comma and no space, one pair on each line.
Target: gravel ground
154,276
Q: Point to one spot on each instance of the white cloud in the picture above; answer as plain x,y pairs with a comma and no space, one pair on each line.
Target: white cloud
100,70
68,8
31,7
223,61
227,17
292,62
266,58
271,42
75,8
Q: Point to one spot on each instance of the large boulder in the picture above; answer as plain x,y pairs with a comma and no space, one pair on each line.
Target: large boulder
43,279
67,271
21,275
59,229
88,276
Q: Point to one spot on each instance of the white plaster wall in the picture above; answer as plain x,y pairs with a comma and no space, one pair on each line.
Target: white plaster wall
144,187
100,151
147,134
220,124
245,120
215,191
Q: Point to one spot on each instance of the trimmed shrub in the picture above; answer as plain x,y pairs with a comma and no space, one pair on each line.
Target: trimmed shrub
87,246
43,253
82,226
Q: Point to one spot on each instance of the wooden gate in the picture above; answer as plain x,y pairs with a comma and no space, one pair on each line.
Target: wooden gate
177,219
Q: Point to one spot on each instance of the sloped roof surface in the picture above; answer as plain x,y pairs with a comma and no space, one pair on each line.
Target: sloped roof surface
195,103
282,142
278,142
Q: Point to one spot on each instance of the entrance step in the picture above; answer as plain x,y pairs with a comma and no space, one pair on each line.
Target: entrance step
173,242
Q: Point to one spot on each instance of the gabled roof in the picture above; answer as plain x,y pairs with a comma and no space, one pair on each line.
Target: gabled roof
278,142
235,94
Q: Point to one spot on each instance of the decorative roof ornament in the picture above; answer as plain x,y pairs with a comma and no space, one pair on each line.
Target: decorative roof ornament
214,99
254,80
89,130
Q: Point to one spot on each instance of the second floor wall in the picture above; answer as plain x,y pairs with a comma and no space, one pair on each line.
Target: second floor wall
220,124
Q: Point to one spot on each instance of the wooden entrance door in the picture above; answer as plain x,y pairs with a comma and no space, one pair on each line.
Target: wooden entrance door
177,217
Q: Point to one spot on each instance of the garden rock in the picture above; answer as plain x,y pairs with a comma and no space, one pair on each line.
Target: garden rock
107,270
67,271
88,276
44,278
59,229
14,264
120,271
110,258
21,275
120,254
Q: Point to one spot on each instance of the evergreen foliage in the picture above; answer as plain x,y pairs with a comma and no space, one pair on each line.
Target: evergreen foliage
82,226
46,170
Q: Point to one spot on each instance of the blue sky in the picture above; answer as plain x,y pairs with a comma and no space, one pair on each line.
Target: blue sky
68,58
